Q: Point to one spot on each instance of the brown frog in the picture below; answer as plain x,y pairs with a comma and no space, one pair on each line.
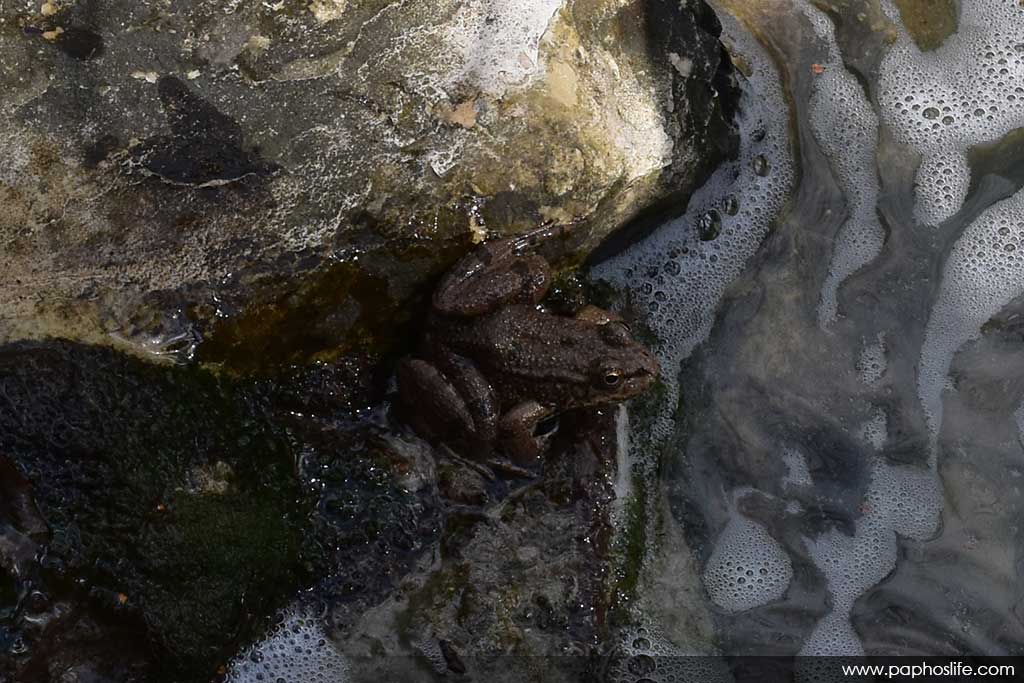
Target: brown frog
494,365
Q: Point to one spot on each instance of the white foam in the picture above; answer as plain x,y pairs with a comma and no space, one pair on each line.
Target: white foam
876,430
797,473
968,91
297,650
674,275
985,271
846,128
872,363
900,500
748,568
649,657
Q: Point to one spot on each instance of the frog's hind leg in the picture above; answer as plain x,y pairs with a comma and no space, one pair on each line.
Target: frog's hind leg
455,403
496,274
475,391
434,408
518,431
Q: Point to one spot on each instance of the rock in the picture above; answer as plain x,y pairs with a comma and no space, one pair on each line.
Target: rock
461,484
515,587
169,510
278,180
153,519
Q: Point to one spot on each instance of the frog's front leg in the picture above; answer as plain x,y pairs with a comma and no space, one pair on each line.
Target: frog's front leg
518,431
449,398
496,274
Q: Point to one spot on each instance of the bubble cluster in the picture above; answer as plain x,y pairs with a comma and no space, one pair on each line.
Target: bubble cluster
985,271
872,363
747,568
430,650
968,91
296,651
846,128
899,500
797,473
677,276
876,430
647,657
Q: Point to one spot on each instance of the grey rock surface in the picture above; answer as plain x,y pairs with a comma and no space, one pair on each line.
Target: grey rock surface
170,168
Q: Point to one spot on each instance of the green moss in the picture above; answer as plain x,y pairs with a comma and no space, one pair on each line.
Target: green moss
645,409
568,293
214,564
633,548
633,544
119,454
602,293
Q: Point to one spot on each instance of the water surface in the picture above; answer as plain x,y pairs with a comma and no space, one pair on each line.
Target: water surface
840,455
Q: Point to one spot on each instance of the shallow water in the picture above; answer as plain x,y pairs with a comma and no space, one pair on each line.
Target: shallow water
843,472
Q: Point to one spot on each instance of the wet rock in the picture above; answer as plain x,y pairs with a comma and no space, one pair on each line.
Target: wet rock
463,484
232,173
171,510
518,588
157,517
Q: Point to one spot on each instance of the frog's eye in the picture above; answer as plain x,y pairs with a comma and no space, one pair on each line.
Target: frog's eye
612,378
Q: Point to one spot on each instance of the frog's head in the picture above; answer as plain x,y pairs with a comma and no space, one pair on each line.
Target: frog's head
620,367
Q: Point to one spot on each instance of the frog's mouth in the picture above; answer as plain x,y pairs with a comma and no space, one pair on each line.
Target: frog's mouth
640,383
647,374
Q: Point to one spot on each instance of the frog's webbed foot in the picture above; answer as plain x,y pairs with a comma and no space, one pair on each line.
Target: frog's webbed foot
518,429
449,399
496,274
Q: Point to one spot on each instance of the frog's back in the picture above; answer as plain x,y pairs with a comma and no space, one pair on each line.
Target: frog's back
530,354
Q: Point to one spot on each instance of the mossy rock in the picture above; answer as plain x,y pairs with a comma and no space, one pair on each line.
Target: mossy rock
180,518
170,501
